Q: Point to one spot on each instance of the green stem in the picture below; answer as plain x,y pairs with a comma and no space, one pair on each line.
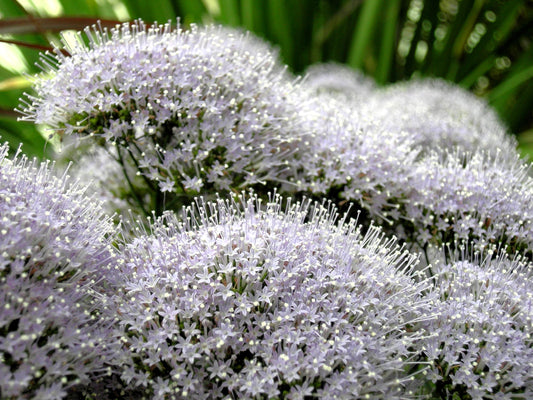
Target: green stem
135,195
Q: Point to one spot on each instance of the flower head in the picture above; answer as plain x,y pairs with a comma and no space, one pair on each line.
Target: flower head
440,116
251,302
198,110
473,198
339,80
482,339
352,157
53,251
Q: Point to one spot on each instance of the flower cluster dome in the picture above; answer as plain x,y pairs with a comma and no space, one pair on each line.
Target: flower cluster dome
474,198
54,253
339,80
199,110
254,301
482,339
351,156
437,171
440,116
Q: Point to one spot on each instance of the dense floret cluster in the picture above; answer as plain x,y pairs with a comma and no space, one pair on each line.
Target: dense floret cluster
53,252
198,111
440,116
245,296
482,340
430,199
267,302
471,198
352,157
432,185
341,81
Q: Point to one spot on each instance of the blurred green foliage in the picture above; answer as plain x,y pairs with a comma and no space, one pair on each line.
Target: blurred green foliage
483,45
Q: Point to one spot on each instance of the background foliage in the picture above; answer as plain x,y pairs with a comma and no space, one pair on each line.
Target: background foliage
483,45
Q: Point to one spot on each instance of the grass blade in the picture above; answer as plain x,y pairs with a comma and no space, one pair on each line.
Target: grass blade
484,67
190,11
388,42
150,11
505,88
252,15
495,36
442,59
229,12
280,28
364,29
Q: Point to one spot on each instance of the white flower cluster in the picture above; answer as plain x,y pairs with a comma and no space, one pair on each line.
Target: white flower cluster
482,344
246,297
248,301
54,251
425,156
198,110
440,116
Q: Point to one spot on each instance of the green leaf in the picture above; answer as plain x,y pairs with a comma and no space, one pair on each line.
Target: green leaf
252,12
515,110
366,22
191,11
510,84
388,42
496,34
229,12
525,144
11,8
428,9
151,11
484,67
17,82
455,28
430,17
279,27
17,133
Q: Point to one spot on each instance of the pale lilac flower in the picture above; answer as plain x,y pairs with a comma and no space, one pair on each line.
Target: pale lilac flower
427,196
474,198
339,80
482,339
440,116
54,252
266,301
407,159
178,102
353,158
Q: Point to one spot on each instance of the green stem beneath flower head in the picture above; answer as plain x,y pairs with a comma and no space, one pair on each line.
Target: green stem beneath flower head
159,205
148,182
130,184
160,201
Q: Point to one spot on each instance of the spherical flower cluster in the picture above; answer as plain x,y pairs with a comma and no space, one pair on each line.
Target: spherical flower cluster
432,190
53,251
440,116
456,197
339,80
211,109
482,340
198,111
265,301
352,157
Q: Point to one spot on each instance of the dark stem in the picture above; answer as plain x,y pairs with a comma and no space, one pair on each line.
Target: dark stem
135,195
